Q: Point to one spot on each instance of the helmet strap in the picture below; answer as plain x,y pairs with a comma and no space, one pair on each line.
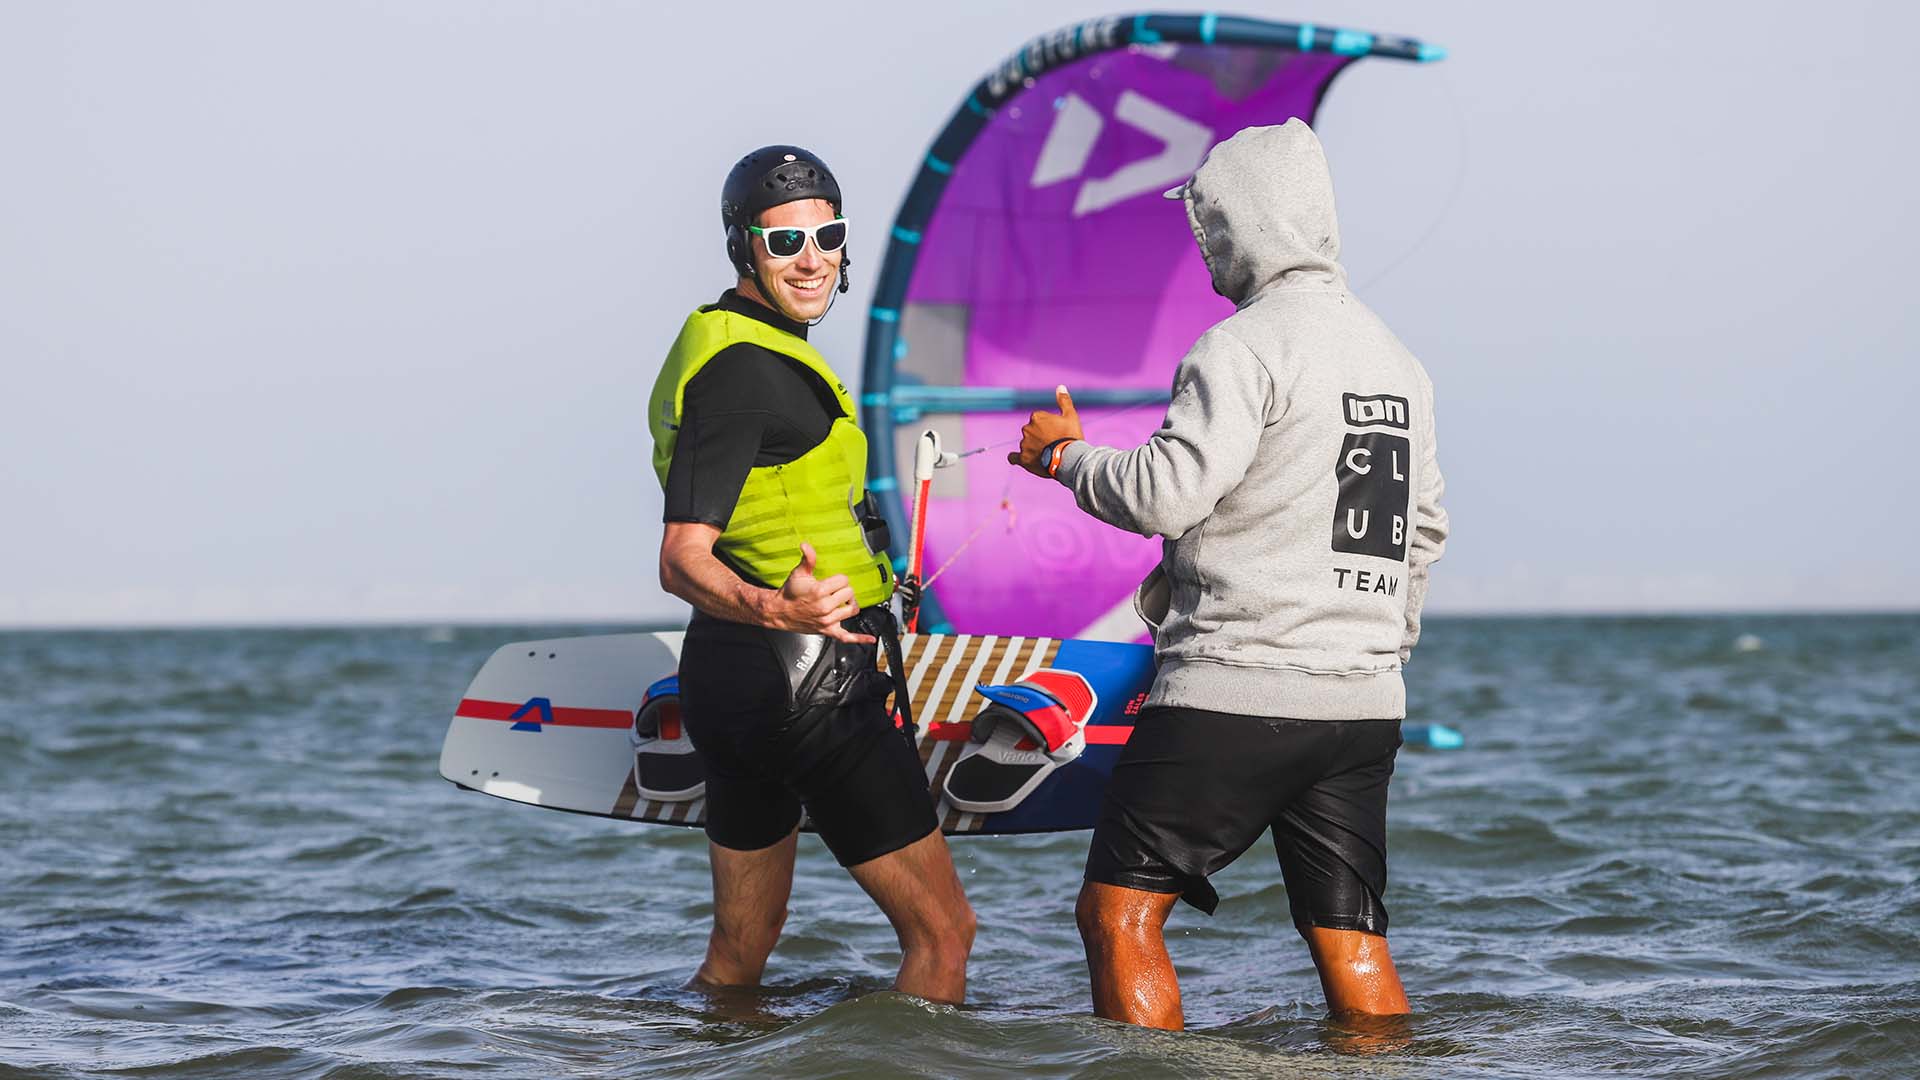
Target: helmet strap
835,294
831,297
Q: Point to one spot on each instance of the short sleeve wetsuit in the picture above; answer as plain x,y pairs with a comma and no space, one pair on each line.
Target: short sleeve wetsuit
749,406
862,786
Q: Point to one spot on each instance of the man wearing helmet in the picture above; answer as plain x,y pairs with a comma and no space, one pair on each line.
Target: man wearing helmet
774,541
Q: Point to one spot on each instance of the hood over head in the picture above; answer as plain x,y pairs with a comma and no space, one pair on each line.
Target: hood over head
1261,207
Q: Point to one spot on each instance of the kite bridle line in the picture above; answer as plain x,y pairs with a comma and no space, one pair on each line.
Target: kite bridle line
927,457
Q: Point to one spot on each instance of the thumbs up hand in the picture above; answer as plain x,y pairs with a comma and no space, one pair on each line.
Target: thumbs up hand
1043,429
809,605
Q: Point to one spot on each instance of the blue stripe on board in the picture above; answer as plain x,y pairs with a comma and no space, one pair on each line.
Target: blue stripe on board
884,314
1306,37
1208,23
905,235
882,483
944,168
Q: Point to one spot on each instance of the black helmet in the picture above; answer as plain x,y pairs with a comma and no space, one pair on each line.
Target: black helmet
766,178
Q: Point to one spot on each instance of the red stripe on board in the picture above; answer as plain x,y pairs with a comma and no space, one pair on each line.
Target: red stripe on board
1097,735
476,709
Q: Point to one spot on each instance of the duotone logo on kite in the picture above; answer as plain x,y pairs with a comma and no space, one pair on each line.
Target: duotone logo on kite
1370,514
1076,128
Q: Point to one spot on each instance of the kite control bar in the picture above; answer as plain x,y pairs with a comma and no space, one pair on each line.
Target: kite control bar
927,456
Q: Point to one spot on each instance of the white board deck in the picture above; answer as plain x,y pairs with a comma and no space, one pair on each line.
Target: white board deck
577,753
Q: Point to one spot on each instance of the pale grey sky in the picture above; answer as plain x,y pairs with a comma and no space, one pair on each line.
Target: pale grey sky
338,311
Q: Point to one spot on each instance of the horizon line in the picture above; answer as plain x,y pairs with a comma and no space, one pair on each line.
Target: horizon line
653,625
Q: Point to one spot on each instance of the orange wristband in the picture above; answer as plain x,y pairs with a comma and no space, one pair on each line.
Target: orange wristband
1054,452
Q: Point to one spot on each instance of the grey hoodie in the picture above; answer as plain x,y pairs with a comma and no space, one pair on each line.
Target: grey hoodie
1294,478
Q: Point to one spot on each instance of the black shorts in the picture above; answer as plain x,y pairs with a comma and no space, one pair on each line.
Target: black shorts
858,778
1194,789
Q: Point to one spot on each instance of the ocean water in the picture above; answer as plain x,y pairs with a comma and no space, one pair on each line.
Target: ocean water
1671,848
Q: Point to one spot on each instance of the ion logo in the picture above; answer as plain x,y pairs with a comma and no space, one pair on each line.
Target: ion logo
1379,410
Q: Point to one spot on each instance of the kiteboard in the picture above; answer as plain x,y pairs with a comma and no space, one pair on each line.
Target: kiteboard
1016,734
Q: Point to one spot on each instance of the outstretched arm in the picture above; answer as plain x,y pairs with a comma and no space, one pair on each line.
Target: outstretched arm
1169,484
804,604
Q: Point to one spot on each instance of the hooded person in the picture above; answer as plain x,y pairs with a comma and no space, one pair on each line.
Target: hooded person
1295,486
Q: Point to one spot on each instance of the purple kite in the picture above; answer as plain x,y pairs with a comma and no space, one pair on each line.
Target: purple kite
1034,249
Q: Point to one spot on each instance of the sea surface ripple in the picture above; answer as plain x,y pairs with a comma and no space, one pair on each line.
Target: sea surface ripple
1674,847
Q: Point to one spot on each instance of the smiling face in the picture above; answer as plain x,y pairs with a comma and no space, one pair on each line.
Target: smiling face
799,287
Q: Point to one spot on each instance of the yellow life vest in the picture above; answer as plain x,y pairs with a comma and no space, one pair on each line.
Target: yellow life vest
812,498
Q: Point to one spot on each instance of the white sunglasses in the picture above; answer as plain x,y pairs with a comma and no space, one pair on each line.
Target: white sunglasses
786,241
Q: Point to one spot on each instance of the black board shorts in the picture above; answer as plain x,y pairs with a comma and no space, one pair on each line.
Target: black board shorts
1194,789
848,766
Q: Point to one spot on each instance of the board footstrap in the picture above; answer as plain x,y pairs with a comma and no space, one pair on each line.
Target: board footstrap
1028,729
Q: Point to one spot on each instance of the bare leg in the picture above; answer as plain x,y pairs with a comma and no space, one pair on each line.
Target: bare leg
750,891
1357,973
920,894
1133,978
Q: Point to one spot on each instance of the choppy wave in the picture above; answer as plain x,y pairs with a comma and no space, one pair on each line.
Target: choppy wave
1672,847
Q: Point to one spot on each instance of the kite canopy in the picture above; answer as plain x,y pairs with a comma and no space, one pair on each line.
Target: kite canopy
1034,249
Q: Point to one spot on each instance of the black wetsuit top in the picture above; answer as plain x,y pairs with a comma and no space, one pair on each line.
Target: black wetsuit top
748,407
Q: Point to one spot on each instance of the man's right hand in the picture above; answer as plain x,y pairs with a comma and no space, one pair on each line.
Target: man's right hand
807,605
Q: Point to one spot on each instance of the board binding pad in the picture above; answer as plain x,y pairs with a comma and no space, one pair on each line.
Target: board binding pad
1026,731
591,725
666,766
